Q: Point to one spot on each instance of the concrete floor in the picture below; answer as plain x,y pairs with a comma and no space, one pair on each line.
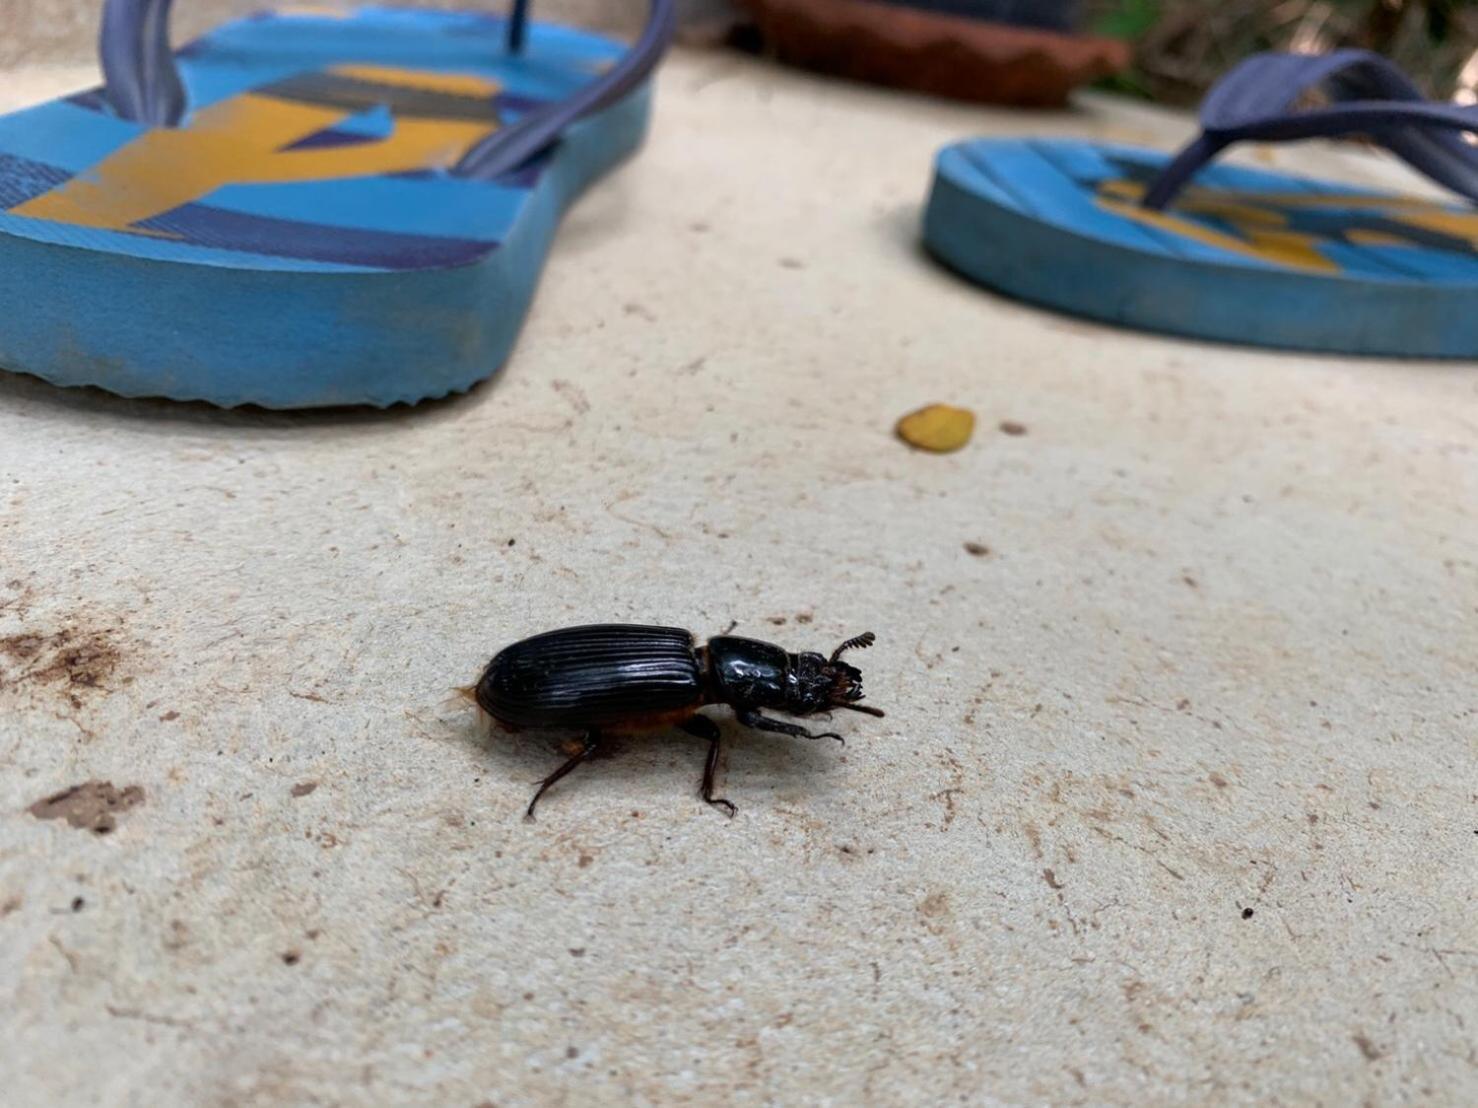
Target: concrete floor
1175,801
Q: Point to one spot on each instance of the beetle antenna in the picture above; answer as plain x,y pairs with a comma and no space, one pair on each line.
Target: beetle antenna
868,708
861,642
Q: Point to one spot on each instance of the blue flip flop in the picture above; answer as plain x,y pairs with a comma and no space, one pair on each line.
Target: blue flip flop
304,210
1179,245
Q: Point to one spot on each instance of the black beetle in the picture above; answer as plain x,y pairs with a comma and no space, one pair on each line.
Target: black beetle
621,677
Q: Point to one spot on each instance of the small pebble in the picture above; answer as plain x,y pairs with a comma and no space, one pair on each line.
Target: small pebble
938,428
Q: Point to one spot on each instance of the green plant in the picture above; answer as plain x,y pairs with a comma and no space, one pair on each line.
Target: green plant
1183,46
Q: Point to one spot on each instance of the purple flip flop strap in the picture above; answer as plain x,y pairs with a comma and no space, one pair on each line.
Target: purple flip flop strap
142,82
1369,96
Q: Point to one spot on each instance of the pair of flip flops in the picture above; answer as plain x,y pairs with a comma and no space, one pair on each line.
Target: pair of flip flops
310,210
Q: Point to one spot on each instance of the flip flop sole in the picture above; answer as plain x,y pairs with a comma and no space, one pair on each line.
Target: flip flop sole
297,242
1244,255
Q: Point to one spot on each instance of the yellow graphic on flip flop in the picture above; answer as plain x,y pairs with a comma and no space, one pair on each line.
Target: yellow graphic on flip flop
247,139
1266,226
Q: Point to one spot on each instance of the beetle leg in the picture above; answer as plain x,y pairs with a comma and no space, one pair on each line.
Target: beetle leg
709,767
592,744
751,718
705,728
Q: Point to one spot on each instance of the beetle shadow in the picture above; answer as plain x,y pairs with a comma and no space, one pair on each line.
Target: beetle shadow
753,764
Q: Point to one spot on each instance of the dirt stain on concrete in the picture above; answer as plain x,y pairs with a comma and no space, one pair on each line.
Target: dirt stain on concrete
92,806
73,660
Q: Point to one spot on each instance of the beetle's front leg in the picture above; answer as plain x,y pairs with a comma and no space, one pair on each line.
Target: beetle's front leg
592,744
705,728
751,718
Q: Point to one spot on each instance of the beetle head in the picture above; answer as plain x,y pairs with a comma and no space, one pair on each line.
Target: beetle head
827,683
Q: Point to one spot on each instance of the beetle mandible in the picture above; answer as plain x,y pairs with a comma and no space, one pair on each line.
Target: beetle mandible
617,677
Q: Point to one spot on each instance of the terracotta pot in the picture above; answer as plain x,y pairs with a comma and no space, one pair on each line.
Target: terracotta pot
932,51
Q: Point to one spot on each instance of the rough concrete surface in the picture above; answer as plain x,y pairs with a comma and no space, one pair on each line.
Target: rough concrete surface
1176,796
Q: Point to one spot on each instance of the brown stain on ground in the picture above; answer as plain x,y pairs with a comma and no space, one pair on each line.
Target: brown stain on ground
573,395
955,787
934,912
92,806
73,660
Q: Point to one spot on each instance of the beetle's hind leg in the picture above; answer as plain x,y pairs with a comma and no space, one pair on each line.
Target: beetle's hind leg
780,727
705,728
592,744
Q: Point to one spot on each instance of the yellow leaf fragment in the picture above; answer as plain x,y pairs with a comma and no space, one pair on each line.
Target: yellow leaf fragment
938,427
